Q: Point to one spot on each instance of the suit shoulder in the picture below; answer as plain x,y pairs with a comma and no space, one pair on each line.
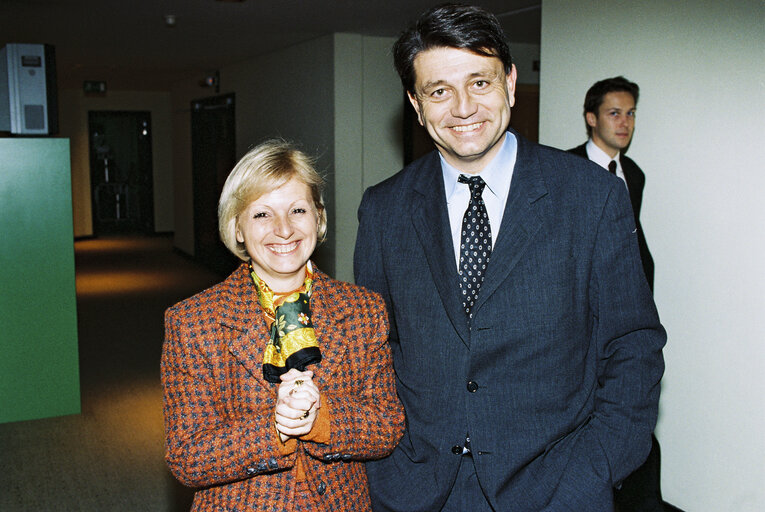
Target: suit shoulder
628,163
580,150
567,161
196,304
404,178
350,292
207,299
572,179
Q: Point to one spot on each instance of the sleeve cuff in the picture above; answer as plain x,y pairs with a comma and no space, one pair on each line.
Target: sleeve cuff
322,427
285,448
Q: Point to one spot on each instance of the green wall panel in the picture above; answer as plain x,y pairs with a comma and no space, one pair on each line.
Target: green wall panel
39,372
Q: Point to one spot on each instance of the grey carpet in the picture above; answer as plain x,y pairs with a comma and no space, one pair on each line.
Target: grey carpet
109,457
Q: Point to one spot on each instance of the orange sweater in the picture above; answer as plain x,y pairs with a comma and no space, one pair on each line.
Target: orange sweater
320,433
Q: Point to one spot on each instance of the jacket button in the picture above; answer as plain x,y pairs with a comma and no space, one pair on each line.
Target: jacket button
457,450
251,471
321,489
346,457
472,386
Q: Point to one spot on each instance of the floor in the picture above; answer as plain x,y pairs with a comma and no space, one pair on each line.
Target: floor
109,457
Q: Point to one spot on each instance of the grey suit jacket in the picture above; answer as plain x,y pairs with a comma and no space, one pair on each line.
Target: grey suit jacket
557,377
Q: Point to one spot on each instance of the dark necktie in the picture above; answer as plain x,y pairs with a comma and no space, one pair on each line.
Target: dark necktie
475,243
612,166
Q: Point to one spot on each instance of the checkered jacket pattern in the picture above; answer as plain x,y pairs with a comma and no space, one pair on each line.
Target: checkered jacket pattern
219,410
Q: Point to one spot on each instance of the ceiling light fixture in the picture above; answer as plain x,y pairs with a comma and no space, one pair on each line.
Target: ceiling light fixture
170,20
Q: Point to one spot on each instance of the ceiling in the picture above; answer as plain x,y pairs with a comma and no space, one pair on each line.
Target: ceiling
127,44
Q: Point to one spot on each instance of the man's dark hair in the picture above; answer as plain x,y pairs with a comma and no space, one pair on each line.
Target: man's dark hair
450,26
594,98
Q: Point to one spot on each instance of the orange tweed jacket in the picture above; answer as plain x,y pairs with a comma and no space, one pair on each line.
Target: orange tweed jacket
219,411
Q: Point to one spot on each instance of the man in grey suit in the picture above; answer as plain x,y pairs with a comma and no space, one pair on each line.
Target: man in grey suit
527,346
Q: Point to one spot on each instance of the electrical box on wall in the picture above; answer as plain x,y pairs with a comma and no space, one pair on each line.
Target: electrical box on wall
28,94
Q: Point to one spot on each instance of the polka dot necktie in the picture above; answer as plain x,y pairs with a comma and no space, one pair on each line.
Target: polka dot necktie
475,243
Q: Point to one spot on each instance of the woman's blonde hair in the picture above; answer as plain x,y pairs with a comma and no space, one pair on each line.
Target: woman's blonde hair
264,168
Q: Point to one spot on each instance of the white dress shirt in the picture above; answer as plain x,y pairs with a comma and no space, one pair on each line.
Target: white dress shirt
600,157
497,175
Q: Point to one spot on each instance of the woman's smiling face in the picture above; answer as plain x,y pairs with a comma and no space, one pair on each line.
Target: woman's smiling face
279,230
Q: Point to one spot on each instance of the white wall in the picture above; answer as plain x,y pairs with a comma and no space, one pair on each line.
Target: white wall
368,131
289,94
349,145
183,196
338,97
699,138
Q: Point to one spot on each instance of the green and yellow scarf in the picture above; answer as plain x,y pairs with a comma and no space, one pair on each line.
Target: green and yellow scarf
293,341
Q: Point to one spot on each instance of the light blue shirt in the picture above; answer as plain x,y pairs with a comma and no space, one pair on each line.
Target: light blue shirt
497,175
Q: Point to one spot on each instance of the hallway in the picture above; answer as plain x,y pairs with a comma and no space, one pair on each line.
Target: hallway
109,457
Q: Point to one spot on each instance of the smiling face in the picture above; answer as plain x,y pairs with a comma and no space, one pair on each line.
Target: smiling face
614,123
463,99
279,230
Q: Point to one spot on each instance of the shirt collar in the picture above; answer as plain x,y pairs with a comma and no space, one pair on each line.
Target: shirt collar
599,156
497,174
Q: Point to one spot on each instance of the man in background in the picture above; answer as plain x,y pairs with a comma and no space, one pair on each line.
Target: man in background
609,116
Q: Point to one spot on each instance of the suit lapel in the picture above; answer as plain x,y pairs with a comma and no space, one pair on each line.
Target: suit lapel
520,222
633,185
241,313
431,223
328,319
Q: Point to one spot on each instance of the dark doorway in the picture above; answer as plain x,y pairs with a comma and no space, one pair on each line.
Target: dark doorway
417,142
121,175
213,155
525,113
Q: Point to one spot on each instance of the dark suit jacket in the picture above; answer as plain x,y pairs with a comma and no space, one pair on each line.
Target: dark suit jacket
219,410
557,377
635,179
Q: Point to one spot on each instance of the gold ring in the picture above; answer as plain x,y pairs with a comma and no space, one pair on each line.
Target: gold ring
296,385
305,414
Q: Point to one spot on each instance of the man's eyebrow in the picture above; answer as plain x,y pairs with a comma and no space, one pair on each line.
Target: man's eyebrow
477,74
435,83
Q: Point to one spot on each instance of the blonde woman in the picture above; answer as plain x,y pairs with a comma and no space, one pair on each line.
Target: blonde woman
278,382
